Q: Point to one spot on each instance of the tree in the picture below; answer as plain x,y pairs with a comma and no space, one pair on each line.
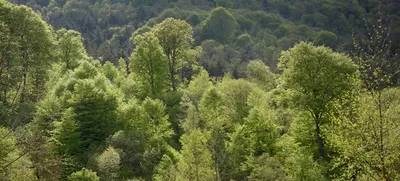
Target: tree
131,145
13,163
166,170
36,43
320,77
71,49
175,38
199,84
108,164
267,168
367,134
326,38
220,25
371,150
26,53
149,62
84,175
95,112
260,74
195,162
298,162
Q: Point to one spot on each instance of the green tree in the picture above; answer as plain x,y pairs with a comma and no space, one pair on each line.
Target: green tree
366,130
367,135
298,161
199,84
267,168
14,164
71,49
131,144
175,37
166,170
191,119
320,77
95,112
83,175
108,164
220,25
195,162
149,62
26,52
326,38
36,43
67,134
260,74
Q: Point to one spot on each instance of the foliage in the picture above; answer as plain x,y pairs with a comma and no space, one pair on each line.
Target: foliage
199,100
195,162
220,25
320,77
108,164
175,38
83,175
149,63
326,38
370,149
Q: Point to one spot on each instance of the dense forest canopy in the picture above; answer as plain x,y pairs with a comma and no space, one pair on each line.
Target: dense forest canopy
242,30
222,90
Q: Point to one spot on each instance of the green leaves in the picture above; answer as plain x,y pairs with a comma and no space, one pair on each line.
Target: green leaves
150,64
83,175
108,164
367,135
318,74
320,77
71,50
220,25
175,38
195,162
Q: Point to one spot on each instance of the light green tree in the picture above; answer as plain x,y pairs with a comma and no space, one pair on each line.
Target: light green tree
298,161
320,77
175,37
108,164
200,84
83,175
367,134
166,170
367,124
260,74
195,163
14,164
149,63
71,49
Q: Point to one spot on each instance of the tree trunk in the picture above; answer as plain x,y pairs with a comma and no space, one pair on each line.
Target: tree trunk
172,72
320,142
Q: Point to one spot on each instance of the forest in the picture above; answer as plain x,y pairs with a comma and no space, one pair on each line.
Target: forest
199,90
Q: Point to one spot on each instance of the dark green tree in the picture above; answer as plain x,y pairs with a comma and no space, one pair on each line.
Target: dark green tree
220,25
326,38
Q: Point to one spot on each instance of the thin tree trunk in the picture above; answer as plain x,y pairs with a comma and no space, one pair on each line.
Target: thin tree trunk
320,142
